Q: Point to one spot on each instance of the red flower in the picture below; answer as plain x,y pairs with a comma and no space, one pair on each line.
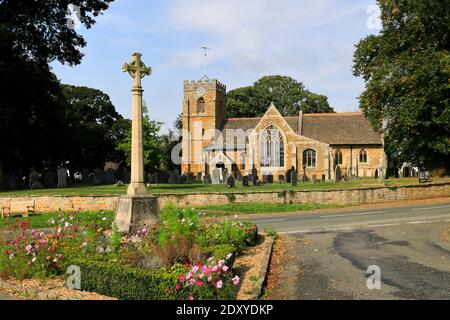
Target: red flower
186,265
200,283
23,225
181,278
177,286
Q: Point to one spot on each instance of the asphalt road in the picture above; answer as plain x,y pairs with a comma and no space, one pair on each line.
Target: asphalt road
327,256
339,221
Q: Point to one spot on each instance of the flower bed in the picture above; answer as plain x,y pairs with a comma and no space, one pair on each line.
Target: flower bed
186,256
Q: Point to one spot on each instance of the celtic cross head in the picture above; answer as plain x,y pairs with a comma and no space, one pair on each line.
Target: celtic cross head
136,68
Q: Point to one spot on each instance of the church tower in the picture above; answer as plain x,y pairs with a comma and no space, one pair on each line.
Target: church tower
203,112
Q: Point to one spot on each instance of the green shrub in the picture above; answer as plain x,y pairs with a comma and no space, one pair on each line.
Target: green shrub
126,283
271,232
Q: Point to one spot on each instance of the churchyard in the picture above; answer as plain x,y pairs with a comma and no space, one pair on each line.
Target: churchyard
165,188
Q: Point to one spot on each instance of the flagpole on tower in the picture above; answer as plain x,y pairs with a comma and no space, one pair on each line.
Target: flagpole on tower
205,61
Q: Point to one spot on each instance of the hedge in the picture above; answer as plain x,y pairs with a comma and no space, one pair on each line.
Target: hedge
126,283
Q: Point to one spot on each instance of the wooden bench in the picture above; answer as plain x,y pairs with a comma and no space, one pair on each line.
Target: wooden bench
18,207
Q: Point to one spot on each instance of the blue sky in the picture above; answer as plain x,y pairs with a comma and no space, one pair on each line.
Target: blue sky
310,40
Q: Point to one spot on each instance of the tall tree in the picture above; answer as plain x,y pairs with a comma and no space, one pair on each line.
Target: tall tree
288,95
406,69
93,126
32,112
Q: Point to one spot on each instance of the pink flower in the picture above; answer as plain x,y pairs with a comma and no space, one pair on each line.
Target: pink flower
225,268
235,280
177,286
28,247
42,241
200,283
207,270
195,269
219,284
181,278
221,262
192,281
191,298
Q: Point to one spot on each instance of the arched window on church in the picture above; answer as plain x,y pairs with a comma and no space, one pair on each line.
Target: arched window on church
337,157
201,105
309,158
363,156
271,148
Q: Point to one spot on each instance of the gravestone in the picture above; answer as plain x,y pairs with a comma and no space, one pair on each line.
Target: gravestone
199,177
109,176
288,176
314,179
126,175
10,180
338,174
174,177
281,178
85,176
215,176
255,180
225,175
62,177
245,181
264,178
99,176
230,181
33,178
183,178
207,179
305,178
294,178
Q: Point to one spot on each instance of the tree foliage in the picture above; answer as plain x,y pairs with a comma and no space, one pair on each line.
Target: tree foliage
407,70
33,108
150,140
38,32
288,95
93,126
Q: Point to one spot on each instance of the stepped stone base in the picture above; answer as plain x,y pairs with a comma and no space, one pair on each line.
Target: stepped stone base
135,211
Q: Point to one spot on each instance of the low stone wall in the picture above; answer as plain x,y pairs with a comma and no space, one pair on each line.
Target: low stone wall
339,197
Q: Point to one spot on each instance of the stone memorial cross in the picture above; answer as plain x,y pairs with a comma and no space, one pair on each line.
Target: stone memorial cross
137,70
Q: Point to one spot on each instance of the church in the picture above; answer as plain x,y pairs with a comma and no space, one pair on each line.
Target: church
320,146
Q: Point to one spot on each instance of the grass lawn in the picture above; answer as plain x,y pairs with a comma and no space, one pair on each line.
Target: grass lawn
249,208
205,188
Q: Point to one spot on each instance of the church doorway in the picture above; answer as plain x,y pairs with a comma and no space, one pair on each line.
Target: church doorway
220,165
376,174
